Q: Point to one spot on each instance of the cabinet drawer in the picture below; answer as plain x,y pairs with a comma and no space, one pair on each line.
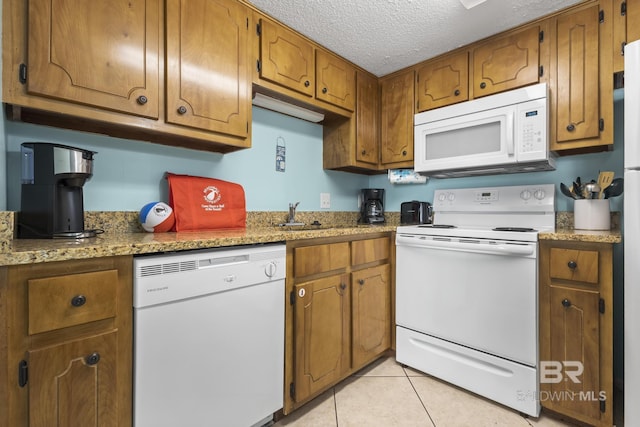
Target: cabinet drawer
318,259
69,300
572,264
364,251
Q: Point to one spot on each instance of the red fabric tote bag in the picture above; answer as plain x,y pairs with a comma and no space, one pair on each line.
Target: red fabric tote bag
201,203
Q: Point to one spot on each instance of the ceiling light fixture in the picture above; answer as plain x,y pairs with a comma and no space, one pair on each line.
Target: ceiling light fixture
283,107
468,4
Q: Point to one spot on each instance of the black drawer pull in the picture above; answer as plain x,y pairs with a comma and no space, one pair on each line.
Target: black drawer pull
457,92
92,359
182,109
566,303
571,127
483,85
324,90
361,281
78,300
572,265
142,100
306,83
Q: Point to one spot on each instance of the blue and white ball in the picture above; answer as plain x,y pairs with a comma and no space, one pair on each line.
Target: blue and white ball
157,217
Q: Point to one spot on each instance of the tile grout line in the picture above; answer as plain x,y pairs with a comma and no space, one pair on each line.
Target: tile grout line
418,395
335,405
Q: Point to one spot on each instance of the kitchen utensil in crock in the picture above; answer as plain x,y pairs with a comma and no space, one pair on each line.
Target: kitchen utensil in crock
591,190
604,180
614,189
567,191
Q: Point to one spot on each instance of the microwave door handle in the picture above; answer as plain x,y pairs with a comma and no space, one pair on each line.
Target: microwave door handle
510,138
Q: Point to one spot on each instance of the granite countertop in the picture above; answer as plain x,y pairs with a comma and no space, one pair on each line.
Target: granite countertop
27,251
593,236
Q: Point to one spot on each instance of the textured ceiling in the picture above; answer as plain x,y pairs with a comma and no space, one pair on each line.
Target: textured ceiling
383,36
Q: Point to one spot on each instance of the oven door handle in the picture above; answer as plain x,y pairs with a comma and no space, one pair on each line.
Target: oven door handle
507,249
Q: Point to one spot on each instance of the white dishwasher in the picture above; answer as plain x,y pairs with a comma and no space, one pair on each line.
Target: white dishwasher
209,337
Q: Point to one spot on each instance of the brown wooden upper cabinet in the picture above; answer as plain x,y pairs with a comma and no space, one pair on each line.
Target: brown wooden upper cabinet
335,80
443,81
77,54
208,77
633,17
396,120
367,142
286,58
583,68
506,62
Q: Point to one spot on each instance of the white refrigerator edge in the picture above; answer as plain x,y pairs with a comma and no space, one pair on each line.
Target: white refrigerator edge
631,212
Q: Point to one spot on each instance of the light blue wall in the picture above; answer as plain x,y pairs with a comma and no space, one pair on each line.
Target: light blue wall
128,174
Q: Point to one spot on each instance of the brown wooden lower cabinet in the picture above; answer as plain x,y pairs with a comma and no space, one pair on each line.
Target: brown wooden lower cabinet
338,315
66,343
576,330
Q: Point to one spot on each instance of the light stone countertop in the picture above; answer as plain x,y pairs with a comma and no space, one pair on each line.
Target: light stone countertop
593,236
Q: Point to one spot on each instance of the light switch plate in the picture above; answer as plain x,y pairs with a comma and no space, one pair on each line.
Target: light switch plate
325,200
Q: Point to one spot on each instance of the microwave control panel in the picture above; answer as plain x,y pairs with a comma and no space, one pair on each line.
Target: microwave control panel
531,126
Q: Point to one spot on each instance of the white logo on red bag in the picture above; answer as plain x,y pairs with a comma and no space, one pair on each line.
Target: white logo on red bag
212,196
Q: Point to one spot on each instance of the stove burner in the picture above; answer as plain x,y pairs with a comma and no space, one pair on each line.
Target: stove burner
437,226
517,229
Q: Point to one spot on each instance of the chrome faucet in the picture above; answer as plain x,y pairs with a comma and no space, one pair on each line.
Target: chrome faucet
292,213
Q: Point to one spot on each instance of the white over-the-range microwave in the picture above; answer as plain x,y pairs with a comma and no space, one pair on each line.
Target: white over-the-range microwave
502,133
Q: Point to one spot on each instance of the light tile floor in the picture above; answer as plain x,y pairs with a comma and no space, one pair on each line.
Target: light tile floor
386,394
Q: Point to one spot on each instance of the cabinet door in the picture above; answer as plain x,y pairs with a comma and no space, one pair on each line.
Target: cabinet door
95,52
633,17
74,384
371,313
208,79
321,334
443,82
506,63
286,58
396,100
575,344
335,80
578,93
367,148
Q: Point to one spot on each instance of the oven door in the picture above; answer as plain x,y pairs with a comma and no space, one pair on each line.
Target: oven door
476,293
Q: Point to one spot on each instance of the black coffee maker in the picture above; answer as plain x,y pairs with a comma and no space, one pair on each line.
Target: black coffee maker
51,203
371,206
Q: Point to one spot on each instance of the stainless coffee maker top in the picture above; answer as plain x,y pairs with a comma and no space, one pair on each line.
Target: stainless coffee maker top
68,160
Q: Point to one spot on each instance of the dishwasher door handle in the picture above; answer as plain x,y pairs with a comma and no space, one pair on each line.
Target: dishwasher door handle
468,245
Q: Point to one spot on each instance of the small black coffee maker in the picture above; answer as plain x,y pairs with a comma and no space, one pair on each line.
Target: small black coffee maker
372,206
51,203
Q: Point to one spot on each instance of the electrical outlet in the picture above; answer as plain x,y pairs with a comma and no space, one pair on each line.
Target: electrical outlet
325,200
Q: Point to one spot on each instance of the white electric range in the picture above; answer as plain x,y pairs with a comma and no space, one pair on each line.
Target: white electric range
467,291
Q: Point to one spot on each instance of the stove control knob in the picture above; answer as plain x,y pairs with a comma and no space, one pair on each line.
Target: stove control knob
539,194
525,195
451,197
442,197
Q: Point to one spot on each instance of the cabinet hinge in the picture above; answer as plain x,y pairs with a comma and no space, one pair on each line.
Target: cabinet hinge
541,71
601,306
258,29
22,73
601,16
622,45
23,373
258,65
292,298
541,36
247,22
601,124
623,8
603,406
292,391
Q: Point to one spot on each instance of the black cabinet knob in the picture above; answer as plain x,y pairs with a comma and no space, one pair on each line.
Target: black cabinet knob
92,359
78,300
361,282
182,109
572,265
324,90
566,303
306,83
483,85
142,100
457,92
404,152
343,286
571,127
364,152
